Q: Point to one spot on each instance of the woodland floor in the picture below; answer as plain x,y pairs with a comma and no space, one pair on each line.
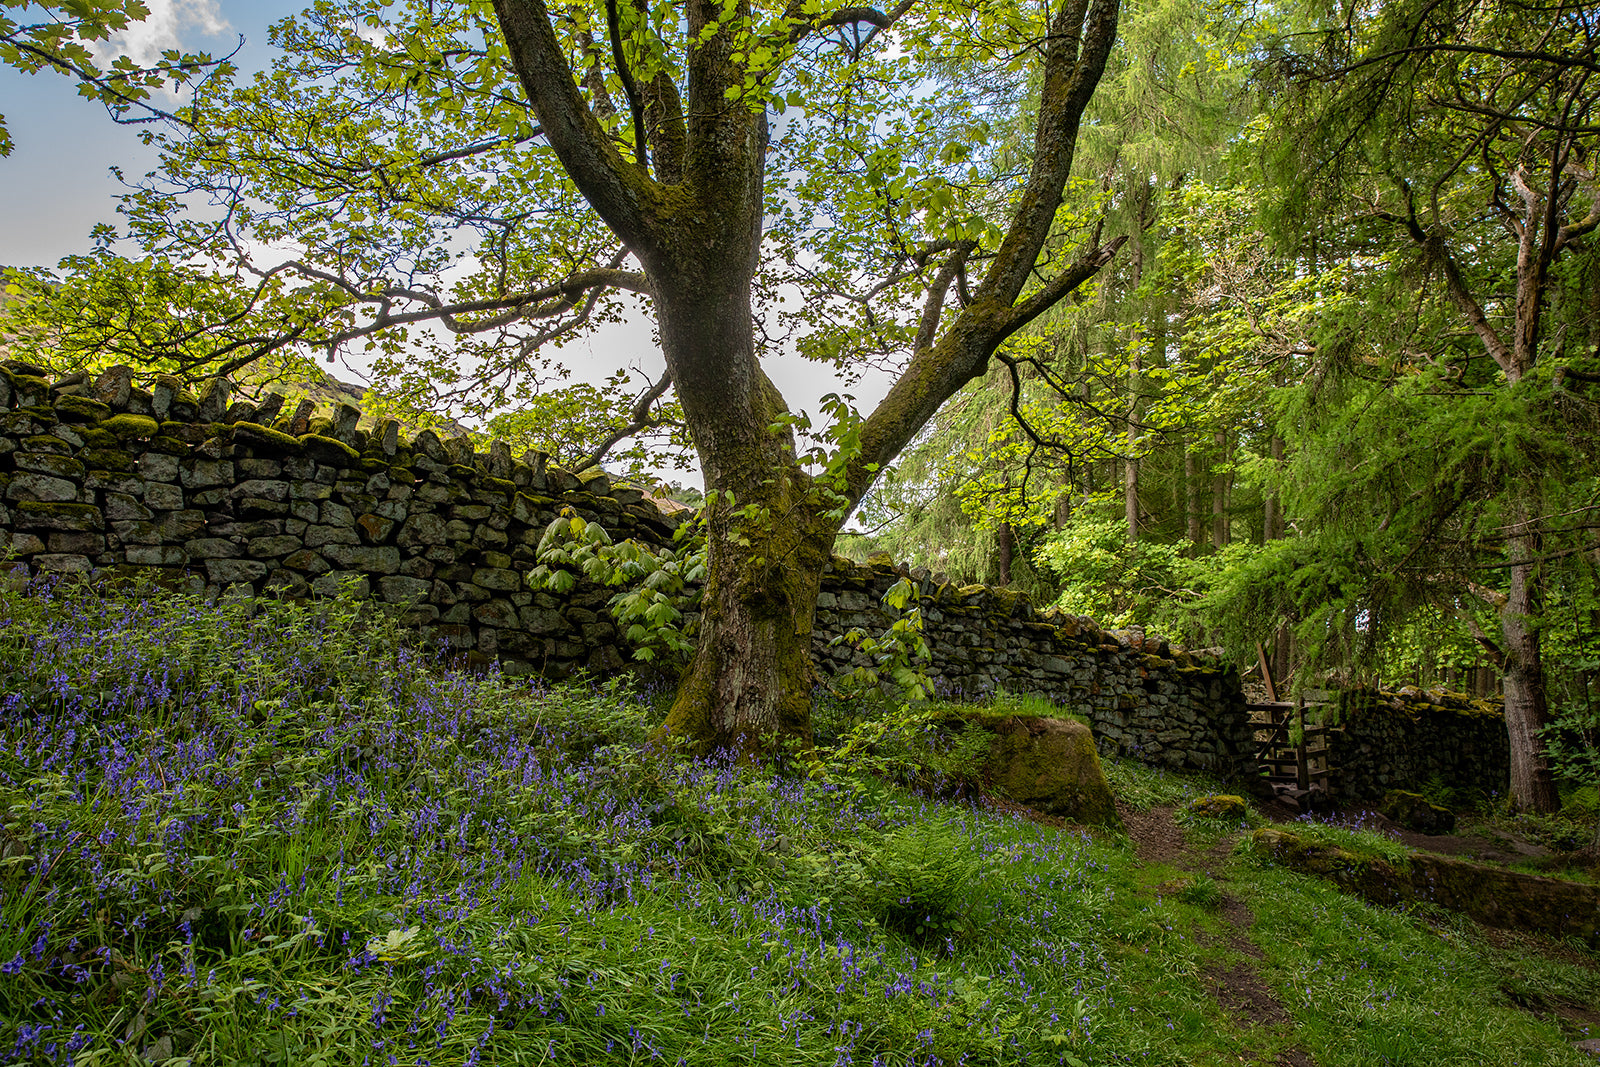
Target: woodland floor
1234,976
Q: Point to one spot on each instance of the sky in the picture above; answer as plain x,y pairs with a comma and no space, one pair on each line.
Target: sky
57,183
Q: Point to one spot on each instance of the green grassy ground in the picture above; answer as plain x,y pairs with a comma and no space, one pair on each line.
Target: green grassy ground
247,833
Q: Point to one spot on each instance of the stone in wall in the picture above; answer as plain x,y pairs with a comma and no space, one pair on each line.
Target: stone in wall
191,487
1145,698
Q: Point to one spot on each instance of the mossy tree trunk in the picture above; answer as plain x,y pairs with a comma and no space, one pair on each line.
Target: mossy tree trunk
749,684
769,531
687,201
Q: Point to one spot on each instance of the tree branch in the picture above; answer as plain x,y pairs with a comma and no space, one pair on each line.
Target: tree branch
639,418
1496,655
115,89
1580,61
1087,266
1469,307
621,192
928,328
1082,33
630,88
802,26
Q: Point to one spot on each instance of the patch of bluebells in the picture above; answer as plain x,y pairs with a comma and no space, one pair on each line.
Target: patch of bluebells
228,811
1356,820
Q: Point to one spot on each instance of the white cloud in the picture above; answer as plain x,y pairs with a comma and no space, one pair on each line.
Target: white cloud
170,22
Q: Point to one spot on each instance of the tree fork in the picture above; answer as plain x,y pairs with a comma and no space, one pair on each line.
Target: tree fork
770,529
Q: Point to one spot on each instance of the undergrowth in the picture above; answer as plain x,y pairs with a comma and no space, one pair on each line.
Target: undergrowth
256,833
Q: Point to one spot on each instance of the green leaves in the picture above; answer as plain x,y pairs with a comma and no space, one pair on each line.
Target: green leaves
659,585
399,946
1117,582
897,656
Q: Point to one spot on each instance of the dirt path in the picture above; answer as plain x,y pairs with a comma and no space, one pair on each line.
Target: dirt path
1235,984
1234,980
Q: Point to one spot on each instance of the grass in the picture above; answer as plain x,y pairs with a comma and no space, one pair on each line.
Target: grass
1356,838
1143,787
248,833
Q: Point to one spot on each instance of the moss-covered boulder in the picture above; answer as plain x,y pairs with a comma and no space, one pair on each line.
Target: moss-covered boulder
1416,813
80,409
107,459
1220,806
264,439
327,450
1051,766
1355,872
595,481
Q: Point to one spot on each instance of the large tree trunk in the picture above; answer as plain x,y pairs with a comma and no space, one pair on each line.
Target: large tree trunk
1193,526
1532,785
767,536
1130,463
1219,494
751,679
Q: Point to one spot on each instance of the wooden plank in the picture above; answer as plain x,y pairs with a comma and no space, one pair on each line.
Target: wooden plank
1303,771
1266,672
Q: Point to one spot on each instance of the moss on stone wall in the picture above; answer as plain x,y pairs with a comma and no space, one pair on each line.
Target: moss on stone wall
1408,738
129,427
1492,895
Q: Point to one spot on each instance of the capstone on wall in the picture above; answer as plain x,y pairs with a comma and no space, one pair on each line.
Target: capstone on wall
217,494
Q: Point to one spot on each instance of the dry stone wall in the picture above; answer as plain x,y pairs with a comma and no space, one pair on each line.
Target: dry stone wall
216,495
105,476
1411,737
1143,696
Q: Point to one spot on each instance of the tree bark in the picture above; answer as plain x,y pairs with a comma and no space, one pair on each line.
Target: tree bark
1130,463
1219,494
695,225
1522,671
1533,787
1272,528
1191,507
1271,512
749,685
